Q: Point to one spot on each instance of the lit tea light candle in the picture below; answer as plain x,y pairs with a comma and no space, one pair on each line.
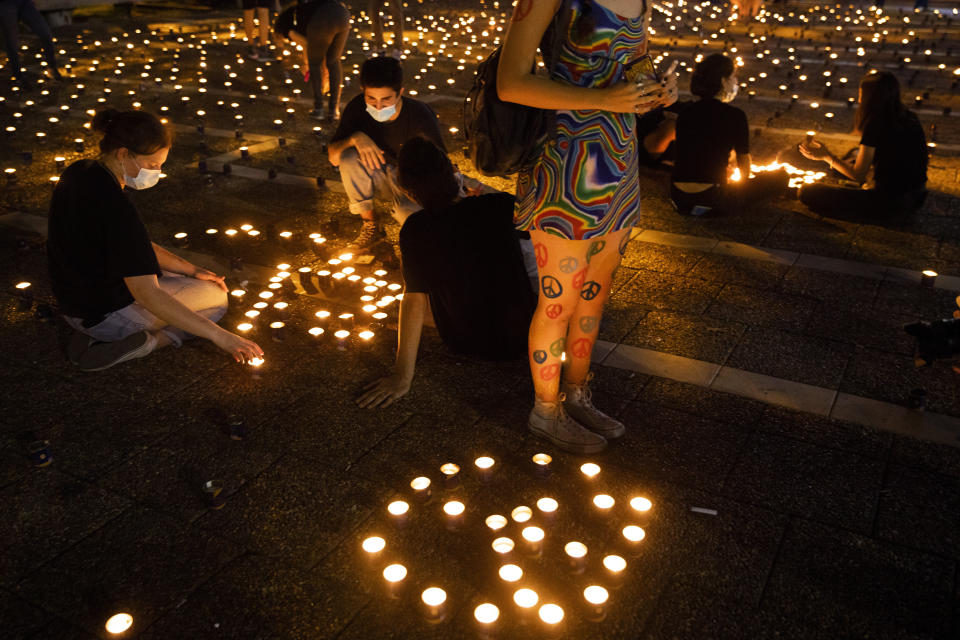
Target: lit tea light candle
23,286
244,326
451,475
394,574
496,522
615,566
590,470
596,598
927,278
454,510
252,313
547,505
633,536
542,463
534,537
421,488
316,332
810,135
399,510
510,573
526,599
603,502
434,599
365,335
484,465
503,546
118,623
640,504
521,513
255,362
576,555
486,616
552,615
323,315
373,546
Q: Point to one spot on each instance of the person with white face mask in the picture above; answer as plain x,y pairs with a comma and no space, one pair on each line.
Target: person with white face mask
707,131
124,295
366,145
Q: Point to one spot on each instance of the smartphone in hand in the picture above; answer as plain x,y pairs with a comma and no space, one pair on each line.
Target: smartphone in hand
642,71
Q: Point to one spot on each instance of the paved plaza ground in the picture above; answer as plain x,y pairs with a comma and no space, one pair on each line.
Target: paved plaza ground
758,362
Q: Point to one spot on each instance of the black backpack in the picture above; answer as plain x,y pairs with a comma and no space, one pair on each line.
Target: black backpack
505,137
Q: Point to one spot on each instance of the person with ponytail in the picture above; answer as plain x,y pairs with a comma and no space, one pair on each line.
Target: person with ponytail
892,142
707,131
124,295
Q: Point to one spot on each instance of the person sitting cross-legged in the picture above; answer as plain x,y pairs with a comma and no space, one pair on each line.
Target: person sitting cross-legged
373,127
464,264
124,295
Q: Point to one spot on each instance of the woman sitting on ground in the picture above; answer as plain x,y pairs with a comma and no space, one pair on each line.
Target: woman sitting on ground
707,131
892,142
125,295
463,270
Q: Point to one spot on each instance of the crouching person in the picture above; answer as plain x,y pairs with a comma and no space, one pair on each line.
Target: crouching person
463,268
124,295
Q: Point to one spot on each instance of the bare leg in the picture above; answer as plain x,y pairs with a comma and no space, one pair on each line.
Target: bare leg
263,14
248,25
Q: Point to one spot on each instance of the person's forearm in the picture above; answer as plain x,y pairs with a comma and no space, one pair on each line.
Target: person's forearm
173,263
334,149
544,93
839,165
173,312
412,311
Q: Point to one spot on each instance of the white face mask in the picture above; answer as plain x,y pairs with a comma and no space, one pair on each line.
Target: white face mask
729,90
382,115
144,179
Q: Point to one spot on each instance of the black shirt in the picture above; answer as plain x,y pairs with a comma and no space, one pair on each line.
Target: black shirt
467,258
707,130
900,160
296,18
95,240
415,119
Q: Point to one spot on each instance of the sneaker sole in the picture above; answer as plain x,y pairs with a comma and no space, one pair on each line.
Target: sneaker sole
142,350
569,447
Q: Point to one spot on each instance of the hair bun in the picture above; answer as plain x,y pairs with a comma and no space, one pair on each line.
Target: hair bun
103,118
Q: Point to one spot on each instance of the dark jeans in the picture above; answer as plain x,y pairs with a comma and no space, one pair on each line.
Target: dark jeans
326,35
733,197
860,205
11,12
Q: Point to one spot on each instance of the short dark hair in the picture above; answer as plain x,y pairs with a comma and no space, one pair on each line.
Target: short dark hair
139,131
381,71
707,79
425,172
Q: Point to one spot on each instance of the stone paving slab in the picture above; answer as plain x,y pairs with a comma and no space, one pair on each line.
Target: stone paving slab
142,562
917,509
705,338
854,586
790,356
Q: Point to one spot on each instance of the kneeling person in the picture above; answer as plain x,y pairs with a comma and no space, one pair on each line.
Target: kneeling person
125,295
374,126
462,263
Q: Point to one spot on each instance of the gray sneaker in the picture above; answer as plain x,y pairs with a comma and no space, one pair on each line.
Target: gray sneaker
78,345
370,234
562,430
578,403
104,355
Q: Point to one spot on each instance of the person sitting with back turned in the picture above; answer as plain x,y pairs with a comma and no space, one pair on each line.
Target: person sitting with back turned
707,131
462,262
124,295
892,142
374,126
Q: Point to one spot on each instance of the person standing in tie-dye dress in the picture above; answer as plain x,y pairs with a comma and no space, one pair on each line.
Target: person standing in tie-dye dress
581,198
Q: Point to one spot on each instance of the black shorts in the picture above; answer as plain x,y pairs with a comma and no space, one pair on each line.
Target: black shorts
252,4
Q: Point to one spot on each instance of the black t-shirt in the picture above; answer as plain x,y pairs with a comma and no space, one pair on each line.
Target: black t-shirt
95,240
900,160
415,119
467,258
707,131
296,18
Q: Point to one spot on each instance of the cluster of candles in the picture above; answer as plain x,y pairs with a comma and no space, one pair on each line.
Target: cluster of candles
507,551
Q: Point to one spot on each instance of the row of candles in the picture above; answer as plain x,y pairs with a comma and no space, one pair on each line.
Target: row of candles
595,597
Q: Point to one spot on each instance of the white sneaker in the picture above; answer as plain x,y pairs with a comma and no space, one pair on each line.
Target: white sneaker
549,420
579,404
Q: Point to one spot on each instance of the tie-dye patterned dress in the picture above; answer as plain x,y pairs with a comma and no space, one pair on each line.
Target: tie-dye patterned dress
585,183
